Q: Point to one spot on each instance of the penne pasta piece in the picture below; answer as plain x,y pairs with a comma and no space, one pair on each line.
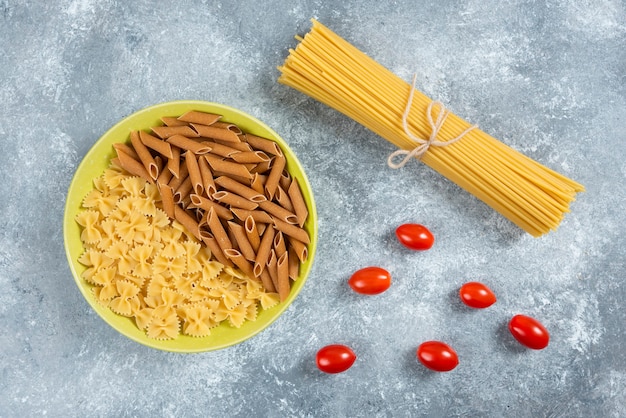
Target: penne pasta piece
203,118
210,241
274,176
226,125
194,173
262,255
258,182
272,268
285,180
201,202
268,285
278,212
297,200
263,144
239,146
175,182
227,167
167,199
187,221
279,244
240,189
283,199
240,261
299,248
156,144
125,148
172,121
212,132
173,164
133,166
218,231
207,177
183,191
259,216
294,264
262,167
165,132
144,155
188,144
293,231
252,233
245,157
234,200
282,267
221,149
240,237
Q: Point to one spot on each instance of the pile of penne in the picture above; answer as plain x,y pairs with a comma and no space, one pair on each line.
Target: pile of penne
230,189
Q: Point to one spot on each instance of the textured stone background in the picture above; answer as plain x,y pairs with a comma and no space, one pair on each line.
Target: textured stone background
544,77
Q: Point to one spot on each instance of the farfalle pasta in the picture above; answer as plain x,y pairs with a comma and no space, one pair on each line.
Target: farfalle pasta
148,267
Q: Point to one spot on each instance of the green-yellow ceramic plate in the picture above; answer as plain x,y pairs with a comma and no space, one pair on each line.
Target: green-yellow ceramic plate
98,159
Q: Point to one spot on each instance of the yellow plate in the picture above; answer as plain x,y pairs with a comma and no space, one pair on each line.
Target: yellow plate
98,159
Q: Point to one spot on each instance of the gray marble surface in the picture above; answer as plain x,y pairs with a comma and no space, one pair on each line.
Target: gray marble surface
546,77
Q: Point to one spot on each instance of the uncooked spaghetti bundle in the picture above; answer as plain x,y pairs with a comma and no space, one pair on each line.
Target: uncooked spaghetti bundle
329,69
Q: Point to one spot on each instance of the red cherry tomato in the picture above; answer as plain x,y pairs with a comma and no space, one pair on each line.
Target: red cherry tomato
335,358
529,332
437,356
415,237
370,281
477,295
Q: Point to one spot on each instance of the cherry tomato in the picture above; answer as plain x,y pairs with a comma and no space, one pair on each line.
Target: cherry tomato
477,295
529,332
437,356
335,358
415,237
370,281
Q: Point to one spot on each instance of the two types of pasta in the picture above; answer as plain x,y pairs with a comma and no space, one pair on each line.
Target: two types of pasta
185,231
331,70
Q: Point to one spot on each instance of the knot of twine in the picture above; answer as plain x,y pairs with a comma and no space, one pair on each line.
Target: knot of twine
424,144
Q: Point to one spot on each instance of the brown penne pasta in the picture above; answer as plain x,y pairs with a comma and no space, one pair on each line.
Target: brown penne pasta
240,237
173,164
278,212
226,125
187,221
267,281
201,202
293,231
272,268
227,167
239,146
210,241
240,189
212,132
300,249
167,199
203,118
221,149
233,200
285,180
207,177
188,144
283,199
259,216
282,267
218,231
263,144
165,132
194,173
297,200
133,166
245,157
279,244
294,264
274,176
258,182
183,191
240,261
156,144
252,233
262,167
183,173
172,121
262,255
144,155
121,146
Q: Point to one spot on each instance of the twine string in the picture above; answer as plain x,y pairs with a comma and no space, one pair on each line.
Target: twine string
423,144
